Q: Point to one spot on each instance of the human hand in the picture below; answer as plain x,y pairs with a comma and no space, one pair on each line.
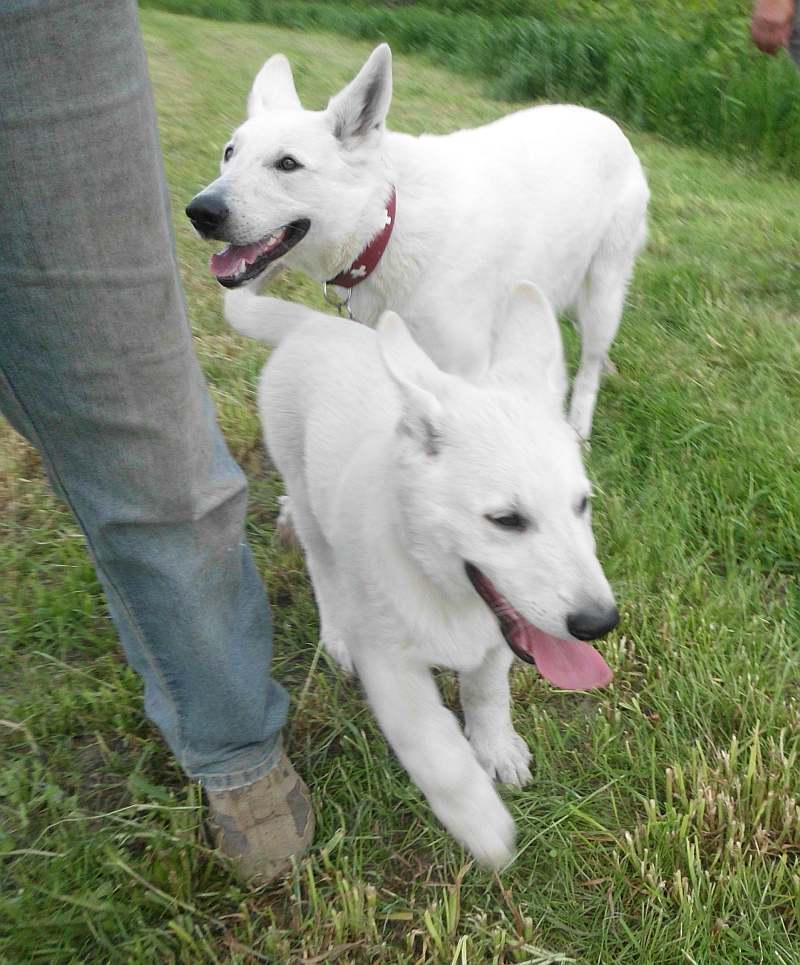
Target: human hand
771,24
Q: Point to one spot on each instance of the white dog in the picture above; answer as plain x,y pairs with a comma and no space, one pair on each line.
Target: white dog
553,193
445,522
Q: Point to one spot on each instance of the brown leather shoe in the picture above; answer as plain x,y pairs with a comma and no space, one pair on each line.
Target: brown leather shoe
261,826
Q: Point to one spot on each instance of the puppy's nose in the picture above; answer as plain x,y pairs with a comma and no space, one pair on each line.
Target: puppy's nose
207,212
592,624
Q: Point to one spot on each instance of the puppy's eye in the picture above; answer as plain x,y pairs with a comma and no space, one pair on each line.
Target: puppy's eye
287,163
228,153
583,505
512,521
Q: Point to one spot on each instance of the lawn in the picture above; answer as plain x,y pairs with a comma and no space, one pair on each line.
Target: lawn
663,822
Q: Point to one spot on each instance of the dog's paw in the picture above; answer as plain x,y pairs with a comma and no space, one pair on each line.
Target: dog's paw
284,524
580,417
476,817
337,648
504,756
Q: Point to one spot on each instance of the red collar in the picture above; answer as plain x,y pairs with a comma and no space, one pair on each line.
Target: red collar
365,263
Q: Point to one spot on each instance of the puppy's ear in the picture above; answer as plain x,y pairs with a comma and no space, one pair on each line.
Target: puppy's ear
358,111
273,88
527,347
418,380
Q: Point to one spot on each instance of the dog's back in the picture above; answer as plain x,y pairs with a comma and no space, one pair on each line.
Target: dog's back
323,393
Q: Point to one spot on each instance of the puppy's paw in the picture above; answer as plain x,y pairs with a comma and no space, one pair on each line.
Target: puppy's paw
504,756
476,817
337,648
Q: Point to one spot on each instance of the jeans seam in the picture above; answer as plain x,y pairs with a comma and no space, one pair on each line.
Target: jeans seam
146,649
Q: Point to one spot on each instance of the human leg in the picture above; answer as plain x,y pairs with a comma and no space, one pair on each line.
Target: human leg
97,369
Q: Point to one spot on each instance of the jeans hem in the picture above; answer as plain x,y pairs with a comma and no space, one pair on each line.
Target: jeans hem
244,777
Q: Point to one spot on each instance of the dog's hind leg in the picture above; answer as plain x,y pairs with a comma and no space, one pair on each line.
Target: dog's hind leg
600,300
431,746
486,702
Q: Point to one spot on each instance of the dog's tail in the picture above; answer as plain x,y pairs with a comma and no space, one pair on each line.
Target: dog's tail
265,319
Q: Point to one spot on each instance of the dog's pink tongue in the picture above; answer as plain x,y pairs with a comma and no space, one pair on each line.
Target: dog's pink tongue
569,664
226,263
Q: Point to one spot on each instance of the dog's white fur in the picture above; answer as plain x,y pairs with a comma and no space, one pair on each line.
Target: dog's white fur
393,467
553,193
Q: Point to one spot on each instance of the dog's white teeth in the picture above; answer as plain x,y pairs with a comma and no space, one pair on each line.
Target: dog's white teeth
272,240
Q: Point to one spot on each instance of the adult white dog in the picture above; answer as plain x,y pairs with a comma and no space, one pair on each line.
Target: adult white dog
436,228
446,523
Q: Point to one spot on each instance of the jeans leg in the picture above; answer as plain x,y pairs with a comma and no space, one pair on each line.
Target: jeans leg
97,369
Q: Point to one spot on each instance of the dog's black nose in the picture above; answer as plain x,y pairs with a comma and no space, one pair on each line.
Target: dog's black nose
207,212
592,624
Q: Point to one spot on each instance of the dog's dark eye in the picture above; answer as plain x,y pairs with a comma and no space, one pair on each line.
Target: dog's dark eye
514,521
583,505
228,153
288,163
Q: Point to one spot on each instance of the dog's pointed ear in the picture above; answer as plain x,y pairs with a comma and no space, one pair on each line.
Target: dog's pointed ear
527,348
360,109
418,380
273,88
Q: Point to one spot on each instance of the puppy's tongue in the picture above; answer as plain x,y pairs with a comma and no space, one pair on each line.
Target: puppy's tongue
568,664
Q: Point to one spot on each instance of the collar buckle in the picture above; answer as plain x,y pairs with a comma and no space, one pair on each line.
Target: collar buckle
342,305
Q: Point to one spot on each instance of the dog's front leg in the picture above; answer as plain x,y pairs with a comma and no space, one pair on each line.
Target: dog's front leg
430,745
486,701
262,317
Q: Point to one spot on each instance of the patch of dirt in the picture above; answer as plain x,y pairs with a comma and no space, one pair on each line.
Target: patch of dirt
19,462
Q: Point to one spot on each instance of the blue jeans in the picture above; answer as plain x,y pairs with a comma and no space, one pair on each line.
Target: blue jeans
97,371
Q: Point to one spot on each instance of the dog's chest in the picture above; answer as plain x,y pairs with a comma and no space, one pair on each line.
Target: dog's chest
455,638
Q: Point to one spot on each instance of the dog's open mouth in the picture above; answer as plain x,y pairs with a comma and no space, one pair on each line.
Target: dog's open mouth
568,664
240,263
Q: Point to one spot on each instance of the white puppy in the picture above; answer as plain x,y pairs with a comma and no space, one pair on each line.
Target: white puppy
553,193
445,523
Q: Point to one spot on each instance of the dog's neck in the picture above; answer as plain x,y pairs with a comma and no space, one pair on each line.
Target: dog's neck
420,217
370,255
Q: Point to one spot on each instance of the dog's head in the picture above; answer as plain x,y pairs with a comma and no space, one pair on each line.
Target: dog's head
298,188
493,492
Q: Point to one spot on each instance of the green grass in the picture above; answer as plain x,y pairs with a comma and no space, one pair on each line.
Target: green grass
662,823
686,71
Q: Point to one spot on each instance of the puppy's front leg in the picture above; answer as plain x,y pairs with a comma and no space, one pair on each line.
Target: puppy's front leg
486,701
430,745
